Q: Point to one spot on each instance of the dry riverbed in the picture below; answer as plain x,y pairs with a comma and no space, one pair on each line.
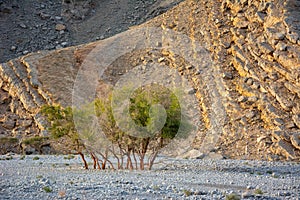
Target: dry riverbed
63,177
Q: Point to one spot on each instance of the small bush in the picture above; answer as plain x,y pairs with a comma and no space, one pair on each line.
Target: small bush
10,140
233,196
39,176
69,157
34,140
258,191
187,192
155,187
35,158
47,189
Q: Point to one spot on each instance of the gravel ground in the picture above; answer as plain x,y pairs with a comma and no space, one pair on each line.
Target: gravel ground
56,177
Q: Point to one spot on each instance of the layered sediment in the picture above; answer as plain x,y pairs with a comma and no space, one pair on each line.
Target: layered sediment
250,99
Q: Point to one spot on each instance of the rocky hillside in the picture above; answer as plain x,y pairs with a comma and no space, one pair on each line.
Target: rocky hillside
250,99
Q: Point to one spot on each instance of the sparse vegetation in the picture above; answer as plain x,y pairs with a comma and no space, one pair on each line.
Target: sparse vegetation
39,176
187,192
269,172
258,191
62,125
10,140
69,157
34,140
233,196
35,158
7,158
155,187
130,150
47,189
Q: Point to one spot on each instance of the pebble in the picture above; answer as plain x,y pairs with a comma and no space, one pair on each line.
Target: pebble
22,25
25,52
227,76
64,44
293,37
58,18
161,59
191,91
247,195
242,99
58,47
60,27
44,16
13,48
281,46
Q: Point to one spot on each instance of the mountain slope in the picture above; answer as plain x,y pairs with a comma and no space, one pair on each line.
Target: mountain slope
248,96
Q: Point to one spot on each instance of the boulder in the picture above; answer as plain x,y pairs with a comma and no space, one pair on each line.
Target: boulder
295,139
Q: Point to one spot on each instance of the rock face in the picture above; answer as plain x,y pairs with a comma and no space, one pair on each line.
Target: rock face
254,95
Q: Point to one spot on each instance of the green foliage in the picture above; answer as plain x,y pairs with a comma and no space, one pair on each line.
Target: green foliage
187,192
35,158
69,157
258,191
106,119
144,114
10,140
61,123
232,196
60,119
34,140
47,189
153,110
39,176
156,187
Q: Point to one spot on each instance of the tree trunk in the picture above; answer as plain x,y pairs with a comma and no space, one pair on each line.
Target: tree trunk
116,156
144,148
84,161
142,165
94,160
129,161
151,160
135,161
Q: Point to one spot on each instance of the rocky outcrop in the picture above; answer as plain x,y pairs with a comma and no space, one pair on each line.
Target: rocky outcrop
251,100
255,46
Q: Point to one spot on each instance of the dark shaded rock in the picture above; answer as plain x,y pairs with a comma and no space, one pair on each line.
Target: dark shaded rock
295,139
